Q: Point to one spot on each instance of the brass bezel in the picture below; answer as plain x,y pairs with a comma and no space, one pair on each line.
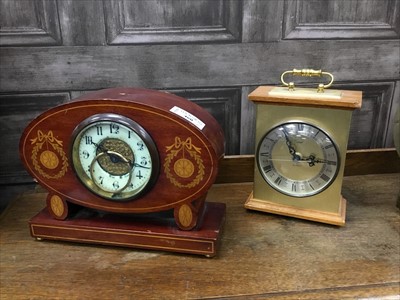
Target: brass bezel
332,179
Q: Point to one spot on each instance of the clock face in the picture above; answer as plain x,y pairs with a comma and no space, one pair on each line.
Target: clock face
114,157
298,159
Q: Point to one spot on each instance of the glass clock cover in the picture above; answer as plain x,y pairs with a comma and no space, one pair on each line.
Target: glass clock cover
298,159
114,157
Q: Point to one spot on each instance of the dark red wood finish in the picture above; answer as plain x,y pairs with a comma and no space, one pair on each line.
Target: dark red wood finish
150,232
52,131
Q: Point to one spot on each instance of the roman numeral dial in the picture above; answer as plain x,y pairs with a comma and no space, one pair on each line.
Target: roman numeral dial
298,159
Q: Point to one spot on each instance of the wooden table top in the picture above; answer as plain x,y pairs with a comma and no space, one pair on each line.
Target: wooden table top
261,256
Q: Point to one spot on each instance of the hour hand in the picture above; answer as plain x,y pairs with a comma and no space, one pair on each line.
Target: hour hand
99,146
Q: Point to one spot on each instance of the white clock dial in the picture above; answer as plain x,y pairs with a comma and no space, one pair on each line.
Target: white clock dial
114,157
298,159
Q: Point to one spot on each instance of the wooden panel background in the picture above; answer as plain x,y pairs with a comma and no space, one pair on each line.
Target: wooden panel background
213,52
341,19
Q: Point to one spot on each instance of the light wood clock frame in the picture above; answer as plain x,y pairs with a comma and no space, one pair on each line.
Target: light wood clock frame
301,144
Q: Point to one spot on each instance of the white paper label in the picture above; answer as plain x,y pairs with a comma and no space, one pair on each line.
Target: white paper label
188,116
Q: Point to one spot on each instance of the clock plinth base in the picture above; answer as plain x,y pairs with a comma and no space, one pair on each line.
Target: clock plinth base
152,233
301,213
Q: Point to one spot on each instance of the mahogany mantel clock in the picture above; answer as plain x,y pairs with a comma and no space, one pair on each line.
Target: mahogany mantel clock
301,143
127,154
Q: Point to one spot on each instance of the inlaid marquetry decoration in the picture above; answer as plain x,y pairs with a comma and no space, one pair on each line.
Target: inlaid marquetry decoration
182,162
57,205
48,156
125,152
185,215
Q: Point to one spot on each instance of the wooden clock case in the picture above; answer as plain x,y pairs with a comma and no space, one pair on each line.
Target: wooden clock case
180,129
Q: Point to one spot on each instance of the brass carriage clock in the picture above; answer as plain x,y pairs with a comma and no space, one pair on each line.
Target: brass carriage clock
301,143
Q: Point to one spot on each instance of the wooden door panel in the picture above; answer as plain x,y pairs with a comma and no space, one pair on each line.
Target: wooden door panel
248,122
369,126
82,22
342,19
172,66
29,23
262,21
171,21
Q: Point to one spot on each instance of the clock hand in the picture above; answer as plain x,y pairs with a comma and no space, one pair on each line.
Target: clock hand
312,160
288,160
135,164
292,150
117,157
99,146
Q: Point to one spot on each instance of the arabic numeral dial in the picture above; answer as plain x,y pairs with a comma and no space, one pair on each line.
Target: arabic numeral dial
114,157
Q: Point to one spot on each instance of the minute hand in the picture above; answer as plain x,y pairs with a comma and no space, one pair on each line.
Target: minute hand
292,150
138,165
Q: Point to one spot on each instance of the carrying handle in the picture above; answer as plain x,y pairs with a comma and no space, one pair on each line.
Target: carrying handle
307,73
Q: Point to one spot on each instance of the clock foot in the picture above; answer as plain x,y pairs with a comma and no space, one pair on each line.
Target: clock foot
188,215
58,207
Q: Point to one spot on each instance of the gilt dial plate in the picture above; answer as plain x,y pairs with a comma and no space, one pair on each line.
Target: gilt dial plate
114,157
298,159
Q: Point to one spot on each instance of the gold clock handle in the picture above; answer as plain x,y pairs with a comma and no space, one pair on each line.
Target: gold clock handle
307,73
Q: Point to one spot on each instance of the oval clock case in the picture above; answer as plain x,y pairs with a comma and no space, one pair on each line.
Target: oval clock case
185,144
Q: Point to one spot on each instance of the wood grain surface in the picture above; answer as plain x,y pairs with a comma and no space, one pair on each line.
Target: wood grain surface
344,100
261,256
95,64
